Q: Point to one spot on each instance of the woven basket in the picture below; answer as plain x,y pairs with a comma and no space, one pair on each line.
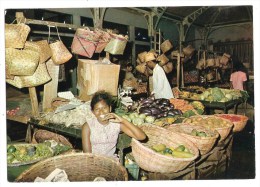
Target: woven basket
40,76
141,56
224,59
223,131
40,136
162,60
21,62
16,35
188,51
149,160
238,125
204,144
60,53
42,47
168,67
116,45
78,167
166,46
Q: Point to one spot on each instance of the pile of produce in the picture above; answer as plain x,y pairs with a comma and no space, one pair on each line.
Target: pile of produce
28,153
178,152
215,95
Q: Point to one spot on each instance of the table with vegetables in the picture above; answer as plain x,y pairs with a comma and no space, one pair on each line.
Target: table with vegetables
205,131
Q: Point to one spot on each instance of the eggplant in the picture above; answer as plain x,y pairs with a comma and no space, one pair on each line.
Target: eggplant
171,113
143,110
155,111
148,100
165,114
164,102
157,101
171,106
145,105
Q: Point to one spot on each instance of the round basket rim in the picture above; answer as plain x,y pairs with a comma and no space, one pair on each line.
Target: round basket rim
195,149
243,117
215,132
122,168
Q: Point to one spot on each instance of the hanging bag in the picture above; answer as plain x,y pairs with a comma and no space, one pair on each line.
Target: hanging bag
21,62
42,47
104,38
40,76
60,53
188,51
84,42
162,59
116,45
16,35
166,46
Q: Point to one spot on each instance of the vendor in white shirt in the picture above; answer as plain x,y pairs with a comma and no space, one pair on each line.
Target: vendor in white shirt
161,85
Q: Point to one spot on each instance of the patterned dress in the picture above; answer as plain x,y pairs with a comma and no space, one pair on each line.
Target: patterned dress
103,137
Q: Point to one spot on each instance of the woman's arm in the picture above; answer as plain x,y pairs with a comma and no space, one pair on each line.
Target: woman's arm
127,127
85,134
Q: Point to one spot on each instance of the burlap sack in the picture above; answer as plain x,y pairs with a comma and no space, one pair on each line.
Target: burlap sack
21,62
42,47
40,76
16,35
166,46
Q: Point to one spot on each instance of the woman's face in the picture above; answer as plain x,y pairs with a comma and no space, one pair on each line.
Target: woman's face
129,68
100,110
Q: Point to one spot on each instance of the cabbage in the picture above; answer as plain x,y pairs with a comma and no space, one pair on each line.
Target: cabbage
229,96
143,116
138,121
133,115
127,118
217,94
149,119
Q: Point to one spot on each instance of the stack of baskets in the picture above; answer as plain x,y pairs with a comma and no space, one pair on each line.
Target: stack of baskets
78,167
204,144
152,161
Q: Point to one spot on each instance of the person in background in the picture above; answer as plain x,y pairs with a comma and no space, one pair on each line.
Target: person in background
100,134
129,72
238,76
161,85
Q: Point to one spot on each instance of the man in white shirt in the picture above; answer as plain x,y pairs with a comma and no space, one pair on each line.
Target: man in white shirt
161,85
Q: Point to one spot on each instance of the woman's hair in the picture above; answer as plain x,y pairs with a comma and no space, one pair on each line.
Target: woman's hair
129,65
100,96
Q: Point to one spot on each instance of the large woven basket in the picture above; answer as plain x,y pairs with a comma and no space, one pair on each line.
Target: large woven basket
223,131
149,160
78,167
40,136
238,125
204,144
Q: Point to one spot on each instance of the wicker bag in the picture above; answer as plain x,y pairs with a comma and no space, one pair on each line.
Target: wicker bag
60,53
188,51
84,42
116,45
150,160
39,77
141,67
239,125
78,167
104,38
21,62
168,67
40,136
16,35
162,59
224,59
166,46
210,62
204,144
141,56
42,47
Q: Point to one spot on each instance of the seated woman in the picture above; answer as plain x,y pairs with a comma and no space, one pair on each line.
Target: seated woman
100,134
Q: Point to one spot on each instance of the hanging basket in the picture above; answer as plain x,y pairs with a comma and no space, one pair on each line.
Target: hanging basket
141,56
152,161
204,144
78,167
162,60
166,46
188,51
141,67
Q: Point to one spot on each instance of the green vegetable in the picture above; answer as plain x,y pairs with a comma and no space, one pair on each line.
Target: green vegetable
133,115
167,150
138,121
11,149
181,154
217,94
10,157
149,119
180,148
127,118
201,134
143,116
194,132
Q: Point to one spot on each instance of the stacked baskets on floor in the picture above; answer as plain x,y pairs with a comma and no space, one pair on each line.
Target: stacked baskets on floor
78,167
204,144
152,161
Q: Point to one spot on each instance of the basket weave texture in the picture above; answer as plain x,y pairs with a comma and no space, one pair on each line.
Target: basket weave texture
42,47
166,46
238,125
40,136
149,160
78,167
16,35
204,144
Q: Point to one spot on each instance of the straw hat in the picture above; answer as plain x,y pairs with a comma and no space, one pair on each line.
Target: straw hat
150,56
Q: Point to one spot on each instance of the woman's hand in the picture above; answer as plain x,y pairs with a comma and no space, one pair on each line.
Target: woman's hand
112,117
